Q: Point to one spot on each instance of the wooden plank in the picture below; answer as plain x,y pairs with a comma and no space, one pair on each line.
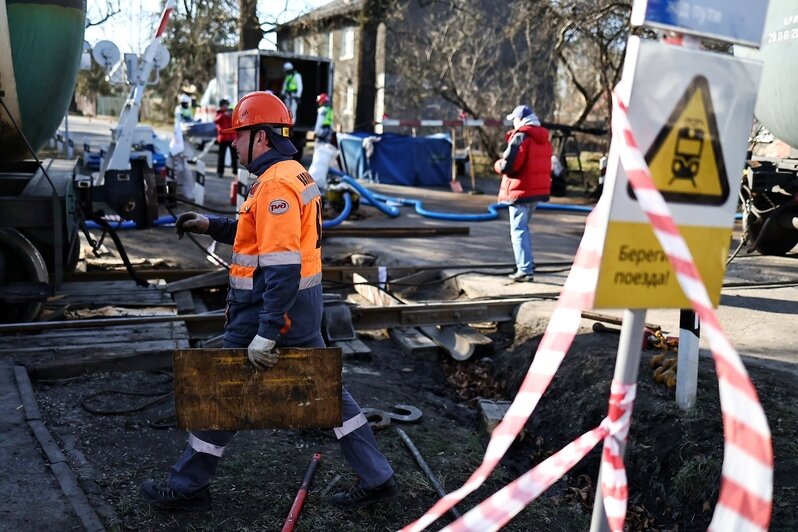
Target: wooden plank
184,301
64,367
396,232
98,349
492,412
72,337
354,347
412,342
205,280
220,389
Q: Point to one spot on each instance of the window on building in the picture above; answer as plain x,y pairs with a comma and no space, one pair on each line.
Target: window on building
299,45
348,46
330,45
350,101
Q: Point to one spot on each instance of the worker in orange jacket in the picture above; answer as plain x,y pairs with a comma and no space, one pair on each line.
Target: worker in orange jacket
274,300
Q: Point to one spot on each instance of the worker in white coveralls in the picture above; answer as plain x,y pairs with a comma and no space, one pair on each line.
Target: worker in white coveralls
177,149
291,92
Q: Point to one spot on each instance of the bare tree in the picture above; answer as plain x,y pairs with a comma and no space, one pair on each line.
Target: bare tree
197,30
479,56
373,13
249,28
98,14
590,47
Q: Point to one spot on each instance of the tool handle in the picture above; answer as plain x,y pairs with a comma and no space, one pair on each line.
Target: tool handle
302,494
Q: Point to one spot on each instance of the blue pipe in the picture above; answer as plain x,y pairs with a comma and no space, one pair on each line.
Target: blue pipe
388,210
381,202
128,224
343,215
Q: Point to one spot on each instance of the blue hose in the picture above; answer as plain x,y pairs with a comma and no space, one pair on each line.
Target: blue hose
343,215
128,224
388,210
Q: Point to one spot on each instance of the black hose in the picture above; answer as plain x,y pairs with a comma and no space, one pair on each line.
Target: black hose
209,209
99,220
158,398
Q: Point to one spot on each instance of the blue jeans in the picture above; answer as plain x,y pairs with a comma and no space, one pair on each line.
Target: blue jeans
521,236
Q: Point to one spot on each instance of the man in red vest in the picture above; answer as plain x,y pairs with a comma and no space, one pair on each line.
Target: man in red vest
224,139
525,168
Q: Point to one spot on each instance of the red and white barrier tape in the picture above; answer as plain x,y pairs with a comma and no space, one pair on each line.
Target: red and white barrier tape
747,476
468,122
578,293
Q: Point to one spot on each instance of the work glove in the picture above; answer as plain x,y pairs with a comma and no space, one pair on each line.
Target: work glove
191,222
261,352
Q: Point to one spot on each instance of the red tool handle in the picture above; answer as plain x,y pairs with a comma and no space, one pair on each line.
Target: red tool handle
301,495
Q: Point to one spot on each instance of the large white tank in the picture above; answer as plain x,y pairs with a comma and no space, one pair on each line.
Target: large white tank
777,105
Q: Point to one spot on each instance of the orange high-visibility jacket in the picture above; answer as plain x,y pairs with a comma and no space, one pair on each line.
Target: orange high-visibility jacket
275,275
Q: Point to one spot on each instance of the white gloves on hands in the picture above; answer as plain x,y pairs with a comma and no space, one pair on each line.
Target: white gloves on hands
191,222
261,352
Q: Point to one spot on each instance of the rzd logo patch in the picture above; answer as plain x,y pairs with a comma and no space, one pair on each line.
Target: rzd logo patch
278,206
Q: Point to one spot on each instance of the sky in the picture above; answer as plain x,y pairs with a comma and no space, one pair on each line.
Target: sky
132,29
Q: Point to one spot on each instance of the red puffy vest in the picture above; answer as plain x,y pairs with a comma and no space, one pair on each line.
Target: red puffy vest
530,176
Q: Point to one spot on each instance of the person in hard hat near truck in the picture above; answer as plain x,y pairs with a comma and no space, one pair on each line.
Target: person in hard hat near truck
184,176
274,300
323,130
292,88
525,168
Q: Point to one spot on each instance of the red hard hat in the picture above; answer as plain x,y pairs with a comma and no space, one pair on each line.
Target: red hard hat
322,98
258,109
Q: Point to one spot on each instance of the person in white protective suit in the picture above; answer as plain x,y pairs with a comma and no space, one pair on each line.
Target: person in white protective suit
291,92
177,149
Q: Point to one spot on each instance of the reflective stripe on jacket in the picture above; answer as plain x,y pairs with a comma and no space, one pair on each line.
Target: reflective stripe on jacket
275,275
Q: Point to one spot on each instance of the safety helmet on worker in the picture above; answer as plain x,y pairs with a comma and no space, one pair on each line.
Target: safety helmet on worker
288,66
261,110
322,98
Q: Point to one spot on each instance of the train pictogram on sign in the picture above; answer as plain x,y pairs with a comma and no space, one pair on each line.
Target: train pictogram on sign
686,158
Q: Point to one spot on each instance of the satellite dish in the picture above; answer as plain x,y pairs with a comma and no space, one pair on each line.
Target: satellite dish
106,54
161,56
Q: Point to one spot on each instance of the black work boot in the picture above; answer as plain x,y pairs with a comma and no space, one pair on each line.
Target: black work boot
162,497
358,497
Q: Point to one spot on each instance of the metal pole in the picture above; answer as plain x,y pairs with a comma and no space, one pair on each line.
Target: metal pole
626,369
69,152
687,360
425,468
299,500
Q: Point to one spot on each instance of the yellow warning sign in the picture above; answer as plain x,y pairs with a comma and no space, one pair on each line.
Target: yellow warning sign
686,159
636,272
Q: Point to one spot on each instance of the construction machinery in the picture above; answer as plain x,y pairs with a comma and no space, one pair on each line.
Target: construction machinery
769,191
43,203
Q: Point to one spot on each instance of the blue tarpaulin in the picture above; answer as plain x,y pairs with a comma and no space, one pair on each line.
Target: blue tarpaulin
397,159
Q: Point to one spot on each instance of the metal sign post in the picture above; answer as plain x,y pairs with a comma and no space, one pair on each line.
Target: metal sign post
626,370
690,111
687,361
